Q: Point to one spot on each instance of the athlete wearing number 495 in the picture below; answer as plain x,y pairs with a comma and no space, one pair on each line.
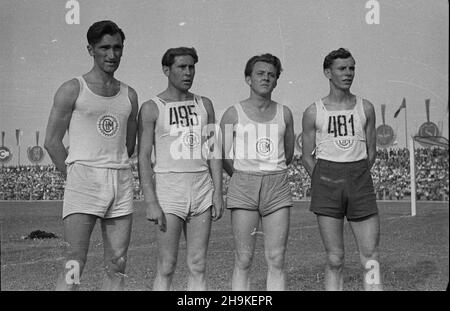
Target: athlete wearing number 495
183,191
339,148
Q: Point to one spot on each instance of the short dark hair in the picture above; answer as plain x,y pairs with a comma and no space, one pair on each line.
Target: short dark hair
339,53
267,58
101,28
169,57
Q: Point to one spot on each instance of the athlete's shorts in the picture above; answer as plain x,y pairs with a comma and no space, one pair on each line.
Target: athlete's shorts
255,191
104,192
184,194
343,189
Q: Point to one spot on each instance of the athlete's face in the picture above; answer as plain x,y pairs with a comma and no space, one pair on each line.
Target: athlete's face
107,52
341,73
263,78
181,73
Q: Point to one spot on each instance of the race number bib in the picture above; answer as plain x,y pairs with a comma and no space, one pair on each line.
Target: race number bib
342,126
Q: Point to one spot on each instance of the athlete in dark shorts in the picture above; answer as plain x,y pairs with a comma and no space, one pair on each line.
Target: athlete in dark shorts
343,190
339,148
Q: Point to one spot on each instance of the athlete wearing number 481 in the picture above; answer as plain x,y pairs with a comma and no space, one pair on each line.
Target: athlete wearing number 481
339,148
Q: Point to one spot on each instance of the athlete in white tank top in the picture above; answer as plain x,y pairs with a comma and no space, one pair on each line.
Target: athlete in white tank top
259,146
179,141
99,112
98,128
259,134
340,134
172,124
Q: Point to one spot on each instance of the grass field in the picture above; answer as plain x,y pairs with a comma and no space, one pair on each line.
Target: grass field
414,251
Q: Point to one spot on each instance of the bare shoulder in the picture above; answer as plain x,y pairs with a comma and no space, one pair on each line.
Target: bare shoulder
368,107
69,88
132,93
230,116
287,111
207,103
67,94
287,114
310,111
206,100
149,110
132,96
309,118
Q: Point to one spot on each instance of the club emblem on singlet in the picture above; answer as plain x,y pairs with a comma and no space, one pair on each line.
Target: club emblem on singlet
344,144
107,125
191,139
264,146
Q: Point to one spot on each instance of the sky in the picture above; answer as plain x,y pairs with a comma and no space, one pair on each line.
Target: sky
405,55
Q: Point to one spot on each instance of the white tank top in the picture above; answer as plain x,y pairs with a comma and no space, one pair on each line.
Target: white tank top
179,141
340,135
98,129
259,146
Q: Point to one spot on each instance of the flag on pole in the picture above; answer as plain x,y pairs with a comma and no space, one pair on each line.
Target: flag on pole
403,105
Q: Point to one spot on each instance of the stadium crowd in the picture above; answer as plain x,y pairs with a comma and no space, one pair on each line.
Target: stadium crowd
33,182
390,175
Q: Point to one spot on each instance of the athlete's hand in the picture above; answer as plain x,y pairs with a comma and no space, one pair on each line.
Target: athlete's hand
217,207
156,215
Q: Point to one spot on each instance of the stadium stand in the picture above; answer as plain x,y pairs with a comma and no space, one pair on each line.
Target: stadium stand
390,175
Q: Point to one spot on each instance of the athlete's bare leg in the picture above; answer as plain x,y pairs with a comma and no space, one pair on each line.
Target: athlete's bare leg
77,232
331,231
276,232
167,243
367,236
244,225
116,234
197,231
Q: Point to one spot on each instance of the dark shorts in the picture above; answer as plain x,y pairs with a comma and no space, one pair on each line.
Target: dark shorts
343,189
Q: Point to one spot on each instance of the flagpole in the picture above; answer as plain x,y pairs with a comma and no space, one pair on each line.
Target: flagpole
406,130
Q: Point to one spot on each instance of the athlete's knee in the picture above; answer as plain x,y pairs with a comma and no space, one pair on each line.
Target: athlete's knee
166,266
197,263
335,260
243,260
275,257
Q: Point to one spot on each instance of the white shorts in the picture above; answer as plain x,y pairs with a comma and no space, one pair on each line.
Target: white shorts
184,194
104,192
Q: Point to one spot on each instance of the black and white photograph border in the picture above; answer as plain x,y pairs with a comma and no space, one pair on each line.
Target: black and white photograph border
401,52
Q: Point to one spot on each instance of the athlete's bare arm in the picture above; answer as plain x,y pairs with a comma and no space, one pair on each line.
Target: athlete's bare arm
215,166
58,122
132,122
289,136
146,128
309,138
371,138
229,119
